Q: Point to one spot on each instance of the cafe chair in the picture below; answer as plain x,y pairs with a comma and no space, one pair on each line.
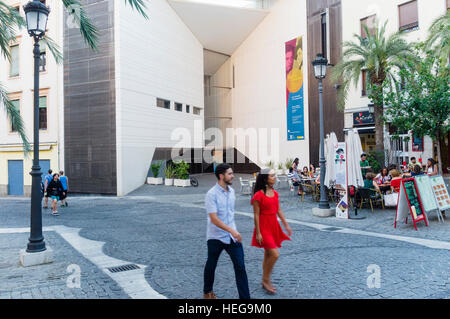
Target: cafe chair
245,185
369,196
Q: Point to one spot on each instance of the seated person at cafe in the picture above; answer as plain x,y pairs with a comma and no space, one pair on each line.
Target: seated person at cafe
417,170
364,163
293,176
369,181
305,172
413,164
396,180
383,180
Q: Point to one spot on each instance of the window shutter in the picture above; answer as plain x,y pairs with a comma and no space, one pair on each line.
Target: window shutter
408,15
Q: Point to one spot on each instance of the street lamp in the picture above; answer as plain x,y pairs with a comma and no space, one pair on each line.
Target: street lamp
36,15
320,71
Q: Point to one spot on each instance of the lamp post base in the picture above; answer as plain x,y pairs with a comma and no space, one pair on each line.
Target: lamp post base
320,212
33,259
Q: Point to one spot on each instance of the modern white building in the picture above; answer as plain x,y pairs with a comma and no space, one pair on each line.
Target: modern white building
17,77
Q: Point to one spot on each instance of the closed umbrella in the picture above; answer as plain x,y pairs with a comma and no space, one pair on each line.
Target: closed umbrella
330,149
354,151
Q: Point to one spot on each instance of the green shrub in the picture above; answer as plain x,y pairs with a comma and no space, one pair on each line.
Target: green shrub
182,170
155,168
169,171
376,160
288,163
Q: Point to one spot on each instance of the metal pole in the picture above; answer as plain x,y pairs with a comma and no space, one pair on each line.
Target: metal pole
323,204
36,241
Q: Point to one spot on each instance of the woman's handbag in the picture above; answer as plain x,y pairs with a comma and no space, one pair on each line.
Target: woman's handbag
391,199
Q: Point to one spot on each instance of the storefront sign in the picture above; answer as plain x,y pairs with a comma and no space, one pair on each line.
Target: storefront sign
363,118
294,90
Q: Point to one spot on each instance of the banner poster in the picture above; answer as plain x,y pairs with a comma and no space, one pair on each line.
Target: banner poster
340,168
294,90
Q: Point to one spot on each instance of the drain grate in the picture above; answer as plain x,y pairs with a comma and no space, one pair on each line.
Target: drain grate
123,268
332,228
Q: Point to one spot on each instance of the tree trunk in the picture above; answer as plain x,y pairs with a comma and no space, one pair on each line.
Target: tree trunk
379,134
438,141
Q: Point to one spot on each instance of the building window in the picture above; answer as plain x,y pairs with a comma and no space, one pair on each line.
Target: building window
370,23
408,16
43,112
42,59
163,103
188,108
365,83
196,110
16,105
179,107
14,66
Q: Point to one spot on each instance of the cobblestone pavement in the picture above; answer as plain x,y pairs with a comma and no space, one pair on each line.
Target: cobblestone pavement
164,228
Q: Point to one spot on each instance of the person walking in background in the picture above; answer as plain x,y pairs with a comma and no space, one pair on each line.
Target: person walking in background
431,168
65,183
55,190
47,179
222,234
267,233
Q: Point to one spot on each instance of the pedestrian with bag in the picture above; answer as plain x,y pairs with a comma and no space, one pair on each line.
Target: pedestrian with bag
55,191
222,234
267,233
65,183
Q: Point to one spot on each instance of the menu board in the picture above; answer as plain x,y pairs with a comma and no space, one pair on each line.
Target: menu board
412,196
440,192
426,193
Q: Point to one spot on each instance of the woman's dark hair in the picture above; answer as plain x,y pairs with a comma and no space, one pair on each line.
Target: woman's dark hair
433,162
417,169
387,171
306,168
296,161
221,169
261,182
55,175
291,169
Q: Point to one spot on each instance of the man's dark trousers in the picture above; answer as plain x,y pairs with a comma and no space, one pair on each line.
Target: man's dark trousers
236,253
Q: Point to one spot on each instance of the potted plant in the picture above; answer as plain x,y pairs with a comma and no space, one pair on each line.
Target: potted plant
280,168
270,164
169,173
155,180
288,165
182,174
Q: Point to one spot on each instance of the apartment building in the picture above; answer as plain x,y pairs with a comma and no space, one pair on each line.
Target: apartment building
17,77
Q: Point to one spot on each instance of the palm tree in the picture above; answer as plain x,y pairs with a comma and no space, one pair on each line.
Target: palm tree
438,40
11,21
380,56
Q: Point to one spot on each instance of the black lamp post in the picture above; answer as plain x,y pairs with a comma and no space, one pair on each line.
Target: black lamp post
36,15
320,71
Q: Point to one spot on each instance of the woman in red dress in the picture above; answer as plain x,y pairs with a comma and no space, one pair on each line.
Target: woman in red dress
268,233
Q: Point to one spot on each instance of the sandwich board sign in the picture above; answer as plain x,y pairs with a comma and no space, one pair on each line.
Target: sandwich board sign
410,204
440,192
430,195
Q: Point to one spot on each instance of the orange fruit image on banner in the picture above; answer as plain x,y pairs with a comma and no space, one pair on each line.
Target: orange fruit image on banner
294,80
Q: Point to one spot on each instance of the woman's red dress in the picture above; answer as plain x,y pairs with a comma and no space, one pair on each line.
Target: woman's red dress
269,226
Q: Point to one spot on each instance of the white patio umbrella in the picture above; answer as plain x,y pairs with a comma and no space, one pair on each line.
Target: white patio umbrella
354,151
331,144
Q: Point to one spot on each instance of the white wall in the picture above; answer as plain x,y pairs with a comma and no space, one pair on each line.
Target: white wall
259,97
155,58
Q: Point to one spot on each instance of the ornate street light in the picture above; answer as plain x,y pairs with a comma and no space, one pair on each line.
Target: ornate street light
36,15
320,71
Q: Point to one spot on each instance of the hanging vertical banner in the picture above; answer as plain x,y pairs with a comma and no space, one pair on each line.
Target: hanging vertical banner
294,90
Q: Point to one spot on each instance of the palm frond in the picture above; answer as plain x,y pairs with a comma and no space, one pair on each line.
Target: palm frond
139,6
14,116
88,31
53,47
10,23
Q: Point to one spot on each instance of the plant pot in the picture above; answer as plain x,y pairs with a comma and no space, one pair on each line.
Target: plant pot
280,172
181,182
155,180
168,181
